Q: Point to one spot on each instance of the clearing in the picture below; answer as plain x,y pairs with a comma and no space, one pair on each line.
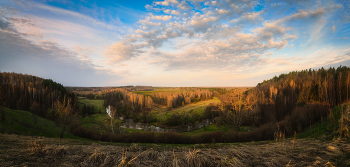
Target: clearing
98,104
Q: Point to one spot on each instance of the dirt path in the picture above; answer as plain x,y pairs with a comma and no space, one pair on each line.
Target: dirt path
14,151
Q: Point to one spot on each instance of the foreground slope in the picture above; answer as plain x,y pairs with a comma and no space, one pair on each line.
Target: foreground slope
327,149
14,151
25,123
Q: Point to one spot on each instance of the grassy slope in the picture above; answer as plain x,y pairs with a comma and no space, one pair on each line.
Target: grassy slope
329,125
21,122
198,107
97,103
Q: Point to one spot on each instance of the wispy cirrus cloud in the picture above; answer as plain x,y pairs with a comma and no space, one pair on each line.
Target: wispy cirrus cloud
26,47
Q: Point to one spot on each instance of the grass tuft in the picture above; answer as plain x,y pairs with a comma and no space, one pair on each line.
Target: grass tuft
196,160
35,147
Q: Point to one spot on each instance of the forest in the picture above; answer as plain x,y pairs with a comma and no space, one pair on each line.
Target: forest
289,102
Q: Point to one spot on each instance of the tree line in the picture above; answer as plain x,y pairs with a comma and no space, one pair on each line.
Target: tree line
187,96
42,97
282,97
279,96
22,91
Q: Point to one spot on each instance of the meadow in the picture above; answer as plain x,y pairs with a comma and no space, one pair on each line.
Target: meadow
25,123
98,104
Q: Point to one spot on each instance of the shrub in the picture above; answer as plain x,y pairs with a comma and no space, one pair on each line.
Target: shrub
35,147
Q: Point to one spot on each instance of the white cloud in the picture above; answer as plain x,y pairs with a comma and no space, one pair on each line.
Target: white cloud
46,58
162,18
222,11
184,6
217,45
249,17
166,2
174,12
225,36
122,51
201,22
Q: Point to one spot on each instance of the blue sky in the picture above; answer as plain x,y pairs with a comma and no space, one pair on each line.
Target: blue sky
171,42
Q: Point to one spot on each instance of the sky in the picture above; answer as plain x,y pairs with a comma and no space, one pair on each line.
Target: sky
171,42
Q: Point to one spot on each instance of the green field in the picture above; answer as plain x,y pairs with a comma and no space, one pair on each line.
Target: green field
22,123
198,107
98,104
98,122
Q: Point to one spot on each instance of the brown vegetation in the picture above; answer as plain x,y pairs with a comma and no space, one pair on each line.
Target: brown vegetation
69,152
31,93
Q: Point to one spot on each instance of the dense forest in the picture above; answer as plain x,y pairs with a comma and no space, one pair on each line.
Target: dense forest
31,93
300,98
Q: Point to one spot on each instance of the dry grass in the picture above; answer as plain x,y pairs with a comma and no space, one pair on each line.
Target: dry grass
305,152
35,147
344,122
196,160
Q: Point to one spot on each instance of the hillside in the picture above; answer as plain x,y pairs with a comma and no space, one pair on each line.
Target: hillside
14,151
25,123
322,144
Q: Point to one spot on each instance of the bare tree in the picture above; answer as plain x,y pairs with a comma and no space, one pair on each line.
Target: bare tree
112,112
65,113
235,118
238,114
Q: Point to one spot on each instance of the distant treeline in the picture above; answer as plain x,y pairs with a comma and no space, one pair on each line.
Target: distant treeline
187,96
31,93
